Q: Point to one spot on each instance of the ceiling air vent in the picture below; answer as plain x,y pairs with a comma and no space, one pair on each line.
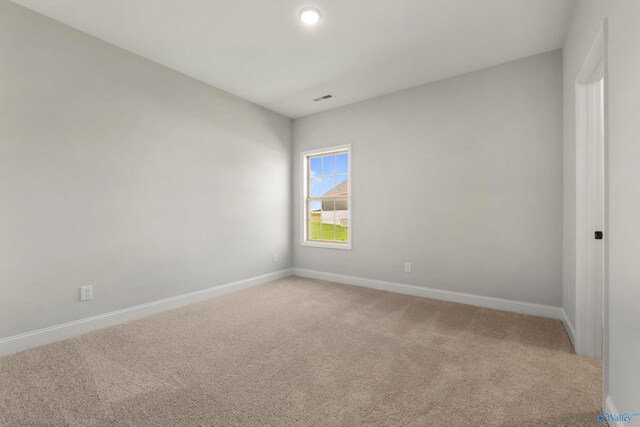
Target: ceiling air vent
322,98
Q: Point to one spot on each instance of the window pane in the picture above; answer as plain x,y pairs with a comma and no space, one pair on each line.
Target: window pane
329,165
328,220
328,184
315,206
315,215
342,220
342,163
315,187
315,166
342,187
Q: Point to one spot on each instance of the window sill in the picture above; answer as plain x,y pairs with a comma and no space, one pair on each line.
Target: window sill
327,245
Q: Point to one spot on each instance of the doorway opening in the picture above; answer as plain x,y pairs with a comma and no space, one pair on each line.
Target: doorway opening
591,204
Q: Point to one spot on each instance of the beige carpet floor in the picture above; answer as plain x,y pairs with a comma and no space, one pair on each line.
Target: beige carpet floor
305,352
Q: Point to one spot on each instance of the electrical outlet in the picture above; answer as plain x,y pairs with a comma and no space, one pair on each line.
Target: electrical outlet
86,293
407,267
275,257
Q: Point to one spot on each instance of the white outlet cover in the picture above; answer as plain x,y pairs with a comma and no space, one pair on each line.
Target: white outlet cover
407,267
86,293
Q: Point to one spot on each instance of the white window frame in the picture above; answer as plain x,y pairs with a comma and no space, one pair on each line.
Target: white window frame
304,162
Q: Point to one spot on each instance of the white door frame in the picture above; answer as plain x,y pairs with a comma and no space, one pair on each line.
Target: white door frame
591,202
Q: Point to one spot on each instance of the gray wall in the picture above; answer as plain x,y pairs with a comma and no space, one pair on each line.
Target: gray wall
622,331
462,177
122,174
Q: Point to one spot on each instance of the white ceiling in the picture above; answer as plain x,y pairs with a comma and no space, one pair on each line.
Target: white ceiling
260,51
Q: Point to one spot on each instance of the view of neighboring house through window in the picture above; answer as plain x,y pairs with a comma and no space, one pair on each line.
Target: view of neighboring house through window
327,196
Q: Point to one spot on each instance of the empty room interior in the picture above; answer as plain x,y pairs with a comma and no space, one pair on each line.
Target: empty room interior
319,213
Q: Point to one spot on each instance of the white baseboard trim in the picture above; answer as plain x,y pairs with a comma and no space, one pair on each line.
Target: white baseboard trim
569,327
439,294
610,408
77,327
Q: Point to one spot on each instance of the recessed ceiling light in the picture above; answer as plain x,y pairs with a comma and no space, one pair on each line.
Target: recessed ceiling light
310,15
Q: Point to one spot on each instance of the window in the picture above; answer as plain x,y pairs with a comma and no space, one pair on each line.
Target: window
327,197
